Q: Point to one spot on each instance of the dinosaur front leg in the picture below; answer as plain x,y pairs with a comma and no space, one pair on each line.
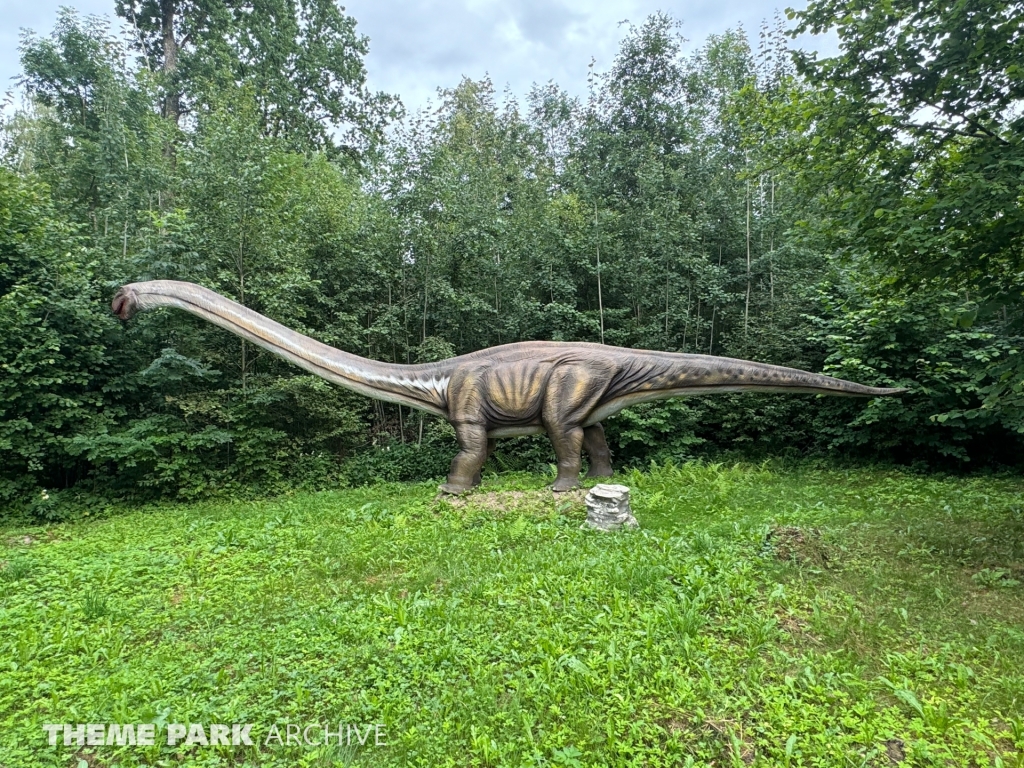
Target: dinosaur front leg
597,449
465,470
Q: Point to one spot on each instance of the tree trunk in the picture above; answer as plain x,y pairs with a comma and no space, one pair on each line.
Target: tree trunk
746,307
426,288
771,248
240,266
600,299
172,99
686,323
711,344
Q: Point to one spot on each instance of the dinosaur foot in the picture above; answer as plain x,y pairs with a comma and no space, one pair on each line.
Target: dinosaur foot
560,486
599,471
454,489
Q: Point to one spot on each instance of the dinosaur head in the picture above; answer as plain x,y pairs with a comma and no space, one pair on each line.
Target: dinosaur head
125,303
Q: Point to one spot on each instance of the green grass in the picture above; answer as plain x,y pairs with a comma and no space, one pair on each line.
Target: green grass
789,618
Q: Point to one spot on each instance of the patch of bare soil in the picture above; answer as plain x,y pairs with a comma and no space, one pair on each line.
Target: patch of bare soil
797,545
677,724
894,751
533,502
796,627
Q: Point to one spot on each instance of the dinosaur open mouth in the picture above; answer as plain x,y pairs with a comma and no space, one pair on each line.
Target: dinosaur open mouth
125,303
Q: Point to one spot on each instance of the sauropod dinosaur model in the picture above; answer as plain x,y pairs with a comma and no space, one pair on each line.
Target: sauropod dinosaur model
562,388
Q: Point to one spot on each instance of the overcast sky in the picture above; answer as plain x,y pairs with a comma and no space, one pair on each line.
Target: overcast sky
417,46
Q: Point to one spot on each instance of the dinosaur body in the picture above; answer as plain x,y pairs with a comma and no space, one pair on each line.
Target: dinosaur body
562,388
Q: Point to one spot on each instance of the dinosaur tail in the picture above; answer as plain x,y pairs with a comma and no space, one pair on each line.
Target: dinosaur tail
724,374
420,386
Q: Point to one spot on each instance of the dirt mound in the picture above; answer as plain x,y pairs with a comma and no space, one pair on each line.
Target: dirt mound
502,502
797,545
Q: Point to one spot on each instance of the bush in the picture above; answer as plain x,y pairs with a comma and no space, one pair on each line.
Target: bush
65,372
397,462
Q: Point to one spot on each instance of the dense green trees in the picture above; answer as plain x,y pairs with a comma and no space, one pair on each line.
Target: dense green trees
62,374
727,201
918,131
301,64
909,146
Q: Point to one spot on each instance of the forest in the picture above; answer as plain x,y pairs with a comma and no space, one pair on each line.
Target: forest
859,215
198,537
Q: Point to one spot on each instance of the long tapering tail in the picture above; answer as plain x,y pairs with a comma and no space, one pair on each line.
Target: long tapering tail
420,386
644,376
705,373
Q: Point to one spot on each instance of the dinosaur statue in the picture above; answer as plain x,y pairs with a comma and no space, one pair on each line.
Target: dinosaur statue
562,388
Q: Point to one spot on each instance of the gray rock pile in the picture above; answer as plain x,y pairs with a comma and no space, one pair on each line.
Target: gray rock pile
608,508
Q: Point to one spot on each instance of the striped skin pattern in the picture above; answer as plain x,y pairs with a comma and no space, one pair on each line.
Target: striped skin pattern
562,388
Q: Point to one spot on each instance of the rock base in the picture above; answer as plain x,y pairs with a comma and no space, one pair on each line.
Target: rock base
608,508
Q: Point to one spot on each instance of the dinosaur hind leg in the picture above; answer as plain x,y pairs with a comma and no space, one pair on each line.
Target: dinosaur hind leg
597,449
572,393
567,444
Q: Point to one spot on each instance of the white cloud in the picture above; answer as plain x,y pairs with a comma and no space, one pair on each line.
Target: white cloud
419,46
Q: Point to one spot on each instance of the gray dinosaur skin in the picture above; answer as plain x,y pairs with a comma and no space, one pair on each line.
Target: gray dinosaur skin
562,388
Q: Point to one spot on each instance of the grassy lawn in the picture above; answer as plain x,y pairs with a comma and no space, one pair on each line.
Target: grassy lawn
759,617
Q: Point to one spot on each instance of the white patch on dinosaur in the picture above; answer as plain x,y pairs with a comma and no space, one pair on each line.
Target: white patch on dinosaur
437,385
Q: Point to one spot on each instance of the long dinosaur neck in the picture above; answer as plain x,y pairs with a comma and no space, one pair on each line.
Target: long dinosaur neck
420,386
